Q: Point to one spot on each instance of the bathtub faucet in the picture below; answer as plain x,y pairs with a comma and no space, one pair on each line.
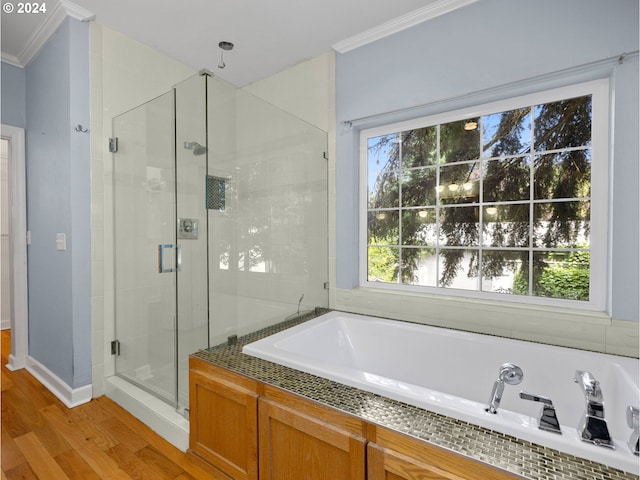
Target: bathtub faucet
593,426
510,374
548,420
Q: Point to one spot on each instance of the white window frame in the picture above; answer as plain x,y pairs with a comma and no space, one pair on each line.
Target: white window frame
599,277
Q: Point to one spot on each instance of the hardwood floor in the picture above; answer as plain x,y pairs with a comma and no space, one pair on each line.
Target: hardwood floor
43,439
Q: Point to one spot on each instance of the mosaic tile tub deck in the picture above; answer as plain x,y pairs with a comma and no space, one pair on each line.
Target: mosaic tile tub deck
511,454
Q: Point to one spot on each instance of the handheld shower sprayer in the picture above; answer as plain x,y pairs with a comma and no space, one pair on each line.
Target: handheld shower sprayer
509,373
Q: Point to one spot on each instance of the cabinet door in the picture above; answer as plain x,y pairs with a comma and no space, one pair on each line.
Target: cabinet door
223,422
295,445
398,457
384,464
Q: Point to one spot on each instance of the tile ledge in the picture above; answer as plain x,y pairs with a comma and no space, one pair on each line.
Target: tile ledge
465,303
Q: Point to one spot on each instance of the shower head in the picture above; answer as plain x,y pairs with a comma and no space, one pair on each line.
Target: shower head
196,147
199,150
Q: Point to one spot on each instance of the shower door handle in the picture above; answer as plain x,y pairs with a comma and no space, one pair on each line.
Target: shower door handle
161,254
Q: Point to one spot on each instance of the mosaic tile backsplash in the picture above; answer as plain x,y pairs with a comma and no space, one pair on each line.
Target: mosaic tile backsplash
511,454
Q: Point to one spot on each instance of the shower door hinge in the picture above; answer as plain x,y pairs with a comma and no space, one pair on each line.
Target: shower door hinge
326,285
325,155
113,144
115,347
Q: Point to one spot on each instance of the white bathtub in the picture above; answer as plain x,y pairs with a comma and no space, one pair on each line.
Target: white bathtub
452,373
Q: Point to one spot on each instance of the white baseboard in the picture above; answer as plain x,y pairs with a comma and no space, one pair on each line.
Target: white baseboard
5,324
14,363
71,397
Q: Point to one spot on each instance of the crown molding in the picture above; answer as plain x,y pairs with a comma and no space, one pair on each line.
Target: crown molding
77,12
435,9
11,60
45,30
42,34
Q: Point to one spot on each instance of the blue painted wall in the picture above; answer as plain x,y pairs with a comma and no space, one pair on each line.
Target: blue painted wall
13,96
80,201
474,49
58,201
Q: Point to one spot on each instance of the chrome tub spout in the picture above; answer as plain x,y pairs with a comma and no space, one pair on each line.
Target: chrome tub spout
593,426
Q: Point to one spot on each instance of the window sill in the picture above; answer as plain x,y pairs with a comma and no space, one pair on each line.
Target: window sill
586,330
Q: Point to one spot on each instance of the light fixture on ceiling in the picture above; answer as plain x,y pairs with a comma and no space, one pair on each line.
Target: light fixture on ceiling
224,46
470,125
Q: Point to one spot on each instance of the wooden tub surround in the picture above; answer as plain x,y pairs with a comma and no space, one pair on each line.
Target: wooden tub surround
248,430
253,419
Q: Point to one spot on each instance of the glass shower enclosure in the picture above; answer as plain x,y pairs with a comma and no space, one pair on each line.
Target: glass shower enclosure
160,240
220,227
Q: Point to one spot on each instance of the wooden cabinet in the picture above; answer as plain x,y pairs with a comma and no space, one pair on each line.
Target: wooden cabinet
235,421
393,456
299,439
223,412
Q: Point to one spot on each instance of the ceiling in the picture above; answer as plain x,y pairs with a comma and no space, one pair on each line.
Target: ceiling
269,36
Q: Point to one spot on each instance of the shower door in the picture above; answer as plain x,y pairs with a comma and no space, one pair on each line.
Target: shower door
146,255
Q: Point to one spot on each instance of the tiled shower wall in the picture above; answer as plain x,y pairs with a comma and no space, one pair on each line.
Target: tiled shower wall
269,246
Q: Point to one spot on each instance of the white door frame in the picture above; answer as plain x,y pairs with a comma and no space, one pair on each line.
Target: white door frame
18,247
